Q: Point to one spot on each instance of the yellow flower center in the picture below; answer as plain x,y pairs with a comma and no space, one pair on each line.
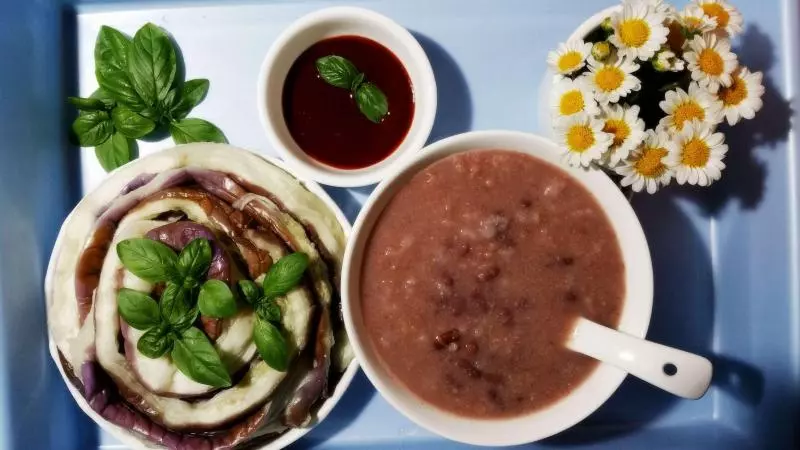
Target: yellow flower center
609,78
619,129
571,103
634,32
733,94
675,38
650,163
580,138
686,112
692,23
710,62
695,153
716,11
569,61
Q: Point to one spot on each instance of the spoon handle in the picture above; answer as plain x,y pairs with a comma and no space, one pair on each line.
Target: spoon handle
681,373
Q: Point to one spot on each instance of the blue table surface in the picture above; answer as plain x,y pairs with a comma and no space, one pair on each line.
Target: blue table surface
725,258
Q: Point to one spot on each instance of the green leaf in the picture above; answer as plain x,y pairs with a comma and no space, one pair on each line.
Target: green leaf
114,152
130,123
356,82
250,291
176,308
149,260
87,104
195,259
138,309
194,355
151,63
285,274
271,345
336,71
105,97
92,128
155,342
111,67
195,130
192,93
169,100
151,113
269,311
216,299
372,102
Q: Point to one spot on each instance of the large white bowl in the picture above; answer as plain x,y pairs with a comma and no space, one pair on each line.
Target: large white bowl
340,21
587,397
120,177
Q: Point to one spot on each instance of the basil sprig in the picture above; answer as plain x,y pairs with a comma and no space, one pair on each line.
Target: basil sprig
281,278
340,72
169,323
140,93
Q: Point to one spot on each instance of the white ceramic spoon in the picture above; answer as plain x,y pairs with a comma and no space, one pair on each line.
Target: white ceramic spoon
681,373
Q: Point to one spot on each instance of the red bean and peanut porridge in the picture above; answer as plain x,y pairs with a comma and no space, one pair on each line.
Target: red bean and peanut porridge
474,275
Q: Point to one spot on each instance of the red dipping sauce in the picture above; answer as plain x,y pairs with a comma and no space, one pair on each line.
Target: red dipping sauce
325,121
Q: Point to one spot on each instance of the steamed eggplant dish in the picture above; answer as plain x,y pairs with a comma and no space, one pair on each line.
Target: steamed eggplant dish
193,299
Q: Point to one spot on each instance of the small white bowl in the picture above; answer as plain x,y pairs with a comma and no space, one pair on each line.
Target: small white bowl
582,401
343,21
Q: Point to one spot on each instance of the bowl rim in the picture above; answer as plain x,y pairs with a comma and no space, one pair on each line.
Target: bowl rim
635,317
130,438
424,92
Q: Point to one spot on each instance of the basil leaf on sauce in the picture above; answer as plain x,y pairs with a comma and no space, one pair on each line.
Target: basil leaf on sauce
285,274
195,259
269,311
114,152
195,130
250,291
372,102
137,309
336,71
196,358
155,342
151,63
177,307
149,260
216,299
271,345
130,123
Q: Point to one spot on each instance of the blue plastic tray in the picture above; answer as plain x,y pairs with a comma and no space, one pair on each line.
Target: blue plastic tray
726,259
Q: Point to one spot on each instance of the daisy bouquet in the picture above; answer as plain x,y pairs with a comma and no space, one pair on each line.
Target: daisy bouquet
642,94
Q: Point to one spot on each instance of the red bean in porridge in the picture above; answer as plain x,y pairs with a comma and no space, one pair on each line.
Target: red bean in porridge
474,275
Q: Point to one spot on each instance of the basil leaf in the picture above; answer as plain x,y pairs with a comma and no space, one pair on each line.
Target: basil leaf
151,113
269,311
194,355
192,93
195,130
149,260
138,309
111,65
175,307
216,299
356,82
105,97
336,71
130,123
87,104
250,291
195,258
271,345
155,342
169,99
114,152
372,102
151,63
92,128
285,274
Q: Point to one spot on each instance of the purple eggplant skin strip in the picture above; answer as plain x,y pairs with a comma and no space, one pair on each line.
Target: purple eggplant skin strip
137,182
178,235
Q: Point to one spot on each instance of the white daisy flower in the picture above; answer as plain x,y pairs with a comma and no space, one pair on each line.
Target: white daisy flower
645,167
612,80
710,61
666,61
572,97
729,19
658,6
682,108
694,20
582,139
698,154
742,99
626,129
639,30
569,57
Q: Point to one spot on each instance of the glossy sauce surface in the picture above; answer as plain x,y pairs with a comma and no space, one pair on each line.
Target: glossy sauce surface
325,121
474,275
